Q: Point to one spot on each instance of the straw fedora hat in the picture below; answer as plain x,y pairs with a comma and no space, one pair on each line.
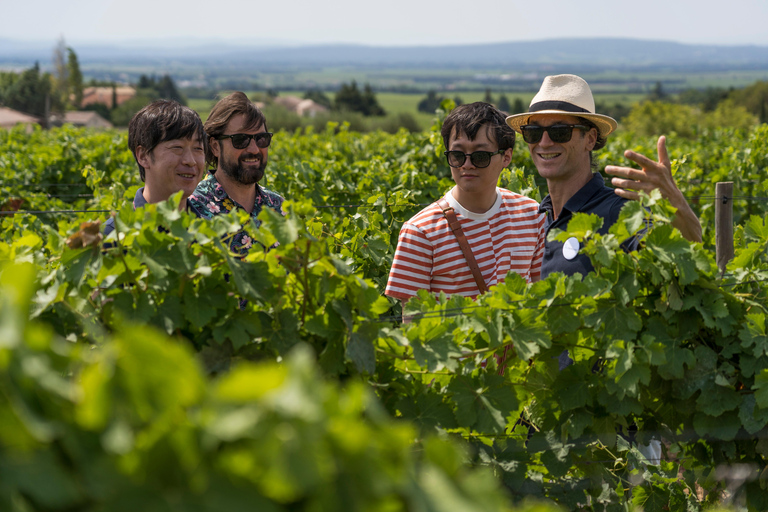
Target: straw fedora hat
564,94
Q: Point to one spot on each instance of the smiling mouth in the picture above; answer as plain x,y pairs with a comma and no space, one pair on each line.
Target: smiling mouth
187,175
251,159
549,156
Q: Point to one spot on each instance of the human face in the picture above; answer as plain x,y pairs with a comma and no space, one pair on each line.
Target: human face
471,181
565,160
173,165
245,166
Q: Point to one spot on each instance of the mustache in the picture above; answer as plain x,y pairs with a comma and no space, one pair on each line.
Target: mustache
250,155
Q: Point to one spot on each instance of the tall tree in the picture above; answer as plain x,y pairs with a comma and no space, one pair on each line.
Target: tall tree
75,79
26,91
348,97
145,82
503,104
431,103
60,75
488,97
371,105
166,89
657,93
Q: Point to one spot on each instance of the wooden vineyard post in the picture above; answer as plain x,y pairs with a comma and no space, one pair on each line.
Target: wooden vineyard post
724,224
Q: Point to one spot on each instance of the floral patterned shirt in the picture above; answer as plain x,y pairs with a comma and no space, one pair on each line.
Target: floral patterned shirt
209,199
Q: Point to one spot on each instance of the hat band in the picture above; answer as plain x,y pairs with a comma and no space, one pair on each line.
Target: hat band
557,105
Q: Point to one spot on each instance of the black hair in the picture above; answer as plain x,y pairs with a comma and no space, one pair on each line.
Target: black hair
160,121
599,143
469,118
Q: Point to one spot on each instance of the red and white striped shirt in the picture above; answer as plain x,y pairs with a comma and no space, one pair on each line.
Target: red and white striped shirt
508,237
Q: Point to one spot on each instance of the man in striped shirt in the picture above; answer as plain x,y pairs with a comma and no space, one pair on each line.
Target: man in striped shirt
504,229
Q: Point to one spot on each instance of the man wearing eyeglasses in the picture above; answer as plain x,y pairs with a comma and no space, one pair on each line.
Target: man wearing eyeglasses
238,147
562,129
503,229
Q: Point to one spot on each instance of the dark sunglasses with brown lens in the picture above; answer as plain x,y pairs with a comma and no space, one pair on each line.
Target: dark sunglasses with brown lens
241,140
558,133
479,159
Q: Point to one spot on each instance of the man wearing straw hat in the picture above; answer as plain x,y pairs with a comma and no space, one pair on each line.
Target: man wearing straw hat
562,129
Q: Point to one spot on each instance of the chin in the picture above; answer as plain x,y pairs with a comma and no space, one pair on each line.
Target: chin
254,177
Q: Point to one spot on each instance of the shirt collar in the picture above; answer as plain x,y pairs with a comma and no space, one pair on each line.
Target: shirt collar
212,176
579,199
138,199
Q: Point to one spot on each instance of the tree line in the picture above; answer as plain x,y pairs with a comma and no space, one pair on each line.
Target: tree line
41,94
433,100
349,98
689,112
660,111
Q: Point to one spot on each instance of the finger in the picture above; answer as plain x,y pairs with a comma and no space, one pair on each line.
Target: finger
626,194
624,172
661,147
628,173
634,185
642,160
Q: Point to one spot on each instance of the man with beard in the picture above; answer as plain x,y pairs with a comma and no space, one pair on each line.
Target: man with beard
238,146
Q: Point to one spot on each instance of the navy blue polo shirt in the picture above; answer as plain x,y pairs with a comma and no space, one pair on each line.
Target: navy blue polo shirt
594,197
138,202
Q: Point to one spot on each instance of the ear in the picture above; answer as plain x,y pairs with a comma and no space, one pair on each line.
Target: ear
144,157
591,139
507,157
214,145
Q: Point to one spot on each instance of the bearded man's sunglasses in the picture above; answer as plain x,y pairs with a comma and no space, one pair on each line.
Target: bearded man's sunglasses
241,140
558,133
479,159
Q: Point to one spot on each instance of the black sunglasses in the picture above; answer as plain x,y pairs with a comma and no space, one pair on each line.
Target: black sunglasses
241,140
479,159
558,133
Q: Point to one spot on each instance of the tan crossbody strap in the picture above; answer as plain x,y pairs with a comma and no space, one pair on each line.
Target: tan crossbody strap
455,226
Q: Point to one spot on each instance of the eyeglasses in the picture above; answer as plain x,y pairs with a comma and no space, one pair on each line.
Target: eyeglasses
479,159
242,140
558,133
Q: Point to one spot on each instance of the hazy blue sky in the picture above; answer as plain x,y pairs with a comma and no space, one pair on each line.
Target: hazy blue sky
390,22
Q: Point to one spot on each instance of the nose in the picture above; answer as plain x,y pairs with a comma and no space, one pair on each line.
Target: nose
467,163
545,140
188,157
252,142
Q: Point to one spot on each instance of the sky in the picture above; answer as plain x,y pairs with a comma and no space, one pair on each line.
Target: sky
383,23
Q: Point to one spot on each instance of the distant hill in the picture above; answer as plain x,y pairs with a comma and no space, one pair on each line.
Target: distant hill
598,52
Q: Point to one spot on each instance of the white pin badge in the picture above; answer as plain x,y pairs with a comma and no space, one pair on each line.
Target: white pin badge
570,248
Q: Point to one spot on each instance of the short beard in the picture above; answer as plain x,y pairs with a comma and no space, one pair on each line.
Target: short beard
237,172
